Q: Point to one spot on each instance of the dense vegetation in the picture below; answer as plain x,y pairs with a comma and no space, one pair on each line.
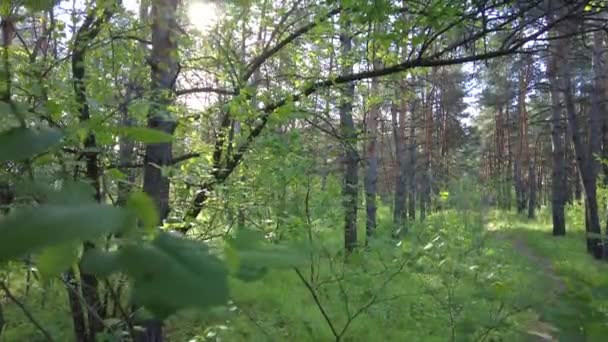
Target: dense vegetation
260,170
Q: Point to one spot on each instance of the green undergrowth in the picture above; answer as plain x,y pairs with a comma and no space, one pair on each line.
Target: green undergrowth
445,280
580,308
457,276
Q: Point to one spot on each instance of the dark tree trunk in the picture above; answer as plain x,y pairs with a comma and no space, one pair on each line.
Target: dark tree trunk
559,184
425,193
398,118
89,285
350,187
520,195
371,158
585,162
532,191
411,174
76,309
164,71
509,169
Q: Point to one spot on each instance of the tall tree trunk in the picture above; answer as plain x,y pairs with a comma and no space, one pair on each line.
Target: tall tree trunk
425,194
585,162
88,282
350,187
164,71
559,184
371,157
598,110
398,118
533,188
508,173
522,159
412,162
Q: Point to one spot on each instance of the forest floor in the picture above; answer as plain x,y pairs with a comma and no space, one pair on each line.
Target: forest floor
549,287
576,283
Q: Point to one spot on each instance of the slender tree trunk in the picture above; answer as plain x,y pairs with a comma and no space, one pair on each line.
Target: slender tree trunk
533,190
425,194
350,190
509,169
559,184
412,165
598,111
89,286
371,170
522,159
398,117
164,71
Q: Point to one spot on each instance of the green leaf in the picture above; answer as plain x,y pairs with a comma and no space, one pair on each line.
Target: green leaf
249,255
100,262
29,229
56,259
145,135
173,273
145,209
23,143
71,192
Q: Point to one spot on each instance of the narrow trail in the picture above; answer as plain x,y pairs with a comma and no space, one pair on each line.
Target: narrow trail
539,330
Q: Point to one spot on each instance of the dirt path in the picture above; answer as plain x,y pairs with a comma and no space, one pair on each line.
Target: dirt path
538,330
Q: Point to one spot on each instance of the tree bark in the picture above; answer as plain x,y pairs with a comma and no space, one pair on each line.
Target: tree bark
425,194
400,201
411,174
350,187
371,170
586,164
89,286
533,189
164,71
559,186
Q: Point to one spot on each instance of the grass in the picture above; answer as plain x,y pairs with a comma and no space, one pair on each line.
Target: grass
450,278
579,311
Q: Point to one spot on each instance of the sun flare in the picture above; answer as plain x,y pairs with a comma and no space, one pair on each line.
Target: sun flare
203,14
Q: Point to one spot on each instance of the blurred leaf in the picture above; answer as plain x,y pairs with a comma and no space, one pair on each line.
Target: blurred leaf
28,229
56,259
249,255
145,209
22,143
100,262
168,274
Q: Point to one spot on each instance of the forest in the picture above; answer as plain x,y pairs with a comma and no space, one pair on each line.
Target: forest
303,170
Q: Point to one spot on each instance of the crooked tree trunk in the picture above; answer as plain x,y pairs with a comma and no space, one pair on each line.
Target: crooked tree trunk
350,190
164,71
559,184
